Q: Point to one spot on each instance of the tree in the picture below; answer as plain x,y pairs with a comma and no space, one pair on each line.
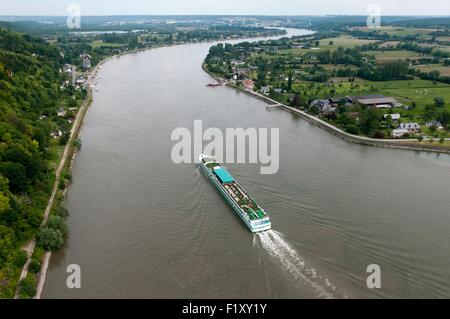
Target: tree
7,243
64,138
352,129
444,117
50,239
16,175
289,85
35,266
439,101
4,198
4,202
298,101
434,75
370,120
389,121
379,134
28,287
314,110
58,223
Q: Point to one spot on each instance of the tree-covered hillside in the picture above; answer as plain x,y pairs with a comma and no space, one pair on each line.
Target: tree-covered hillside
30,96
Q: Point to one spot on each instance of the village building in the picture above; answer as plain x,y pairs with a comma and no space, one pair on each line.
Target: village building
86,64
278,91
320,104
435,123
395,117
248,84
398,133
375,100
68,68
86,60
328,110
61,112
80,81
265,89
410,127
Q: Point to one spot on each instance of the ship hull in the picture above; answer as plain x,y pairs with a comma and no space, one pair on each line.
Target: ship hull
255,228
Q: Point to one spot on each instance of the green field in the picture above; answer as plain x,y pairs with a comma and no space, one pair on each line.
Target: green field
401,32
100,43
343,41
422,96
420,91
389,56
330,67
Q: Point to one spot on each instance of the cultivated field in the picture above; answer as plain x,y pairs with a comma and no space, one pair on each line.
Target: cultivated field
389,56
343,41
444,70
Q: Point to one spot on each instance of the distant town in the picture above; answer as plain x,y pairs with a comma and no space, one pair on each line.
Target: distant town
391,83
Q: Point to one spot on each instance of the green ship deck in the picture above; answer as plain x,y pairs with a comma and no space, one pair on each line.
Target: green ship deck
245,202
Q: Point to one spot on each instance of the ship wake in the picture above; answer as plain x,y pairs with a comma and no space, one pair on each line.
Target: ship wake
307,277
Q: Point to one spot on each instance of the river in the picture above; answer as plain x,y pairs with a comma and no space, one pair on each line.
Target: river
144,227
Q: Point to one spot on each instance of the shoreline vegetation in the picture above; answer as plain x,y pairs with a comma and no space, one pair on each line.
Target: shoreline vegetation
33,273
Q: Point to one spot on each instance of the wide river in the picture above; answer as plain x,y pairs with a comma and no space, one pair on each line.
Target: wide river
142,226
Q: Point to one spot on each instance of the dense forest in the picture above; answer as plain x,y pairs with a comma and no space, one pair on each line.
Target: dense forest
30,96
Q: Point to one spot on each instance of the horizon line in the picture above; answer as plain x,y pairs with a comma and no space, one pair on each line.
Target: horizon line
231,15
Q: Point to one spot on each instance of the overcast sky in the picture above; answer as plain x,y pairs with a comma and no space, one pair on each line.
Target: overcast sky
225,7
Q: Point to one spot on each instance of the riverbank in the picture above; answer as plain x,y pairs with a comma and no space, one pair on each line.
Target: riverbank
77,128
405,144
69,152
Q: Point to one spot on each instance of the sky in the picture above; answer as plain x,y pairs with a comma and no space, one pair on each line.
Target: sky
224,7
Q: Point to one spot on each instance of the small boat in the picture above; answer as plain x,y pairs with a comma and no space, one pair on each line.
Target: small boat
213,85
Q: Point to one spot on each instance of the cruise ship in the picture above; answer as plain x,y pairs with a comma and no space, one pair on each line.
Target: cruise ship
254,217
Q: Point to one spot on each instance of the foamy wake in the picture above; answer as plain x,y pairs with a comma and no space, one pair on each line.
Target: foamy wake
274,243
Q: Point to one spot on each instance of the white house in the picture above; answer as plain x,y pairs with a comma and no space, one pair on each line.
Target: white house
397,133
61,112
411,127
